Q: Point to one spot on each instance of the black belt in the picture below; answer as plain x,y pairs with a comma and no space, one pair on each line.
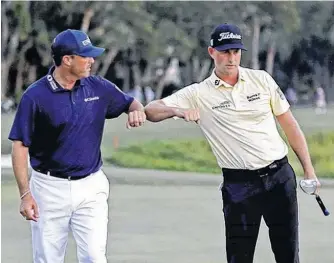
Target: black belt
58,175
245,173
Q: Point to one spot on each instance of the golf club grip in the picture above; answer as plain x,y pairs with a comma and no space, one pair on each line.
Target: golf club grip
322,206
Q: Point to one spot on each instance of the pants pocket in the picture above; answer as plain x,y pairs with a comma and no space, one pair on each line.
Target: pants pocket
240,191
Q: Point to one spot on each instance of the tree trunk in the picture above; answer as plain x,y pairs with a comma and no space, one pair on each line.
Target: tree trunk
318,78
4,62
137,75
195,67
327,74
111,54
271,52
161,83
160,88
11,48
204,70
331,90
86,19
188,73
19,80
32,73
126,83
255,42
295,80
328,81
20,70
147,76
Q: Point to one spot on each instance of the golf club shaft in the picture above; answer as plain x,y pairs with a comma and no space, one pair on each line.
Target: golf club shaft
322,206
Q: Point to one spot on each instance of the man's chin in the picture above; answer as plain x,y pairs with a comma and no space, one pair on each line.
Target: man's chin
85,75
231,70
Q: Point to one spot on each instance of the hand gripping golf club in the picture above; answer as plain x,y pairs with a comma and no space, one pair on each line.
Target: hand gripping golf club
309,186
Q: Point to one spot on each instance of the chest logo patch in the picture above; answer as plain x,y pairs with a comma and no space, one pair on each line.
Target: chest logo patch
91,99
253,97
224,104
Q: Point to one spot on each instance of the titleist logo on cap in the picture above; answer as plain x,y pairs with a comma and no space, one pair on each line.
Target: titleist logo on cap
228,35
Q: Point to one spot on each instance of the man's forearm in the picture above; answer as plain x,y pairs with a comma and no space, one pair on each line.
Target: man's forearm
20,166
157,111
297,141
136,106
298,144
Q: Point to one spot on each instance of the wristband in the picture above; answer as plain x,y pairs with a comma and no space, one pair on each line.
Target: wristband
24,194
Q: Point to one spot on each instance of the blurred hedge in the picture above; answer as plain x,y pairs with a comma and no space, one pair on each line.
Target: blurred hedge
321,146
196,156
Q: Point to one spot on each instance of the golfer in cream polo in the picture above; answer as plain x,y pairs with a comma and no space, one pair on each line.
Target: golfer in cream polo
236,109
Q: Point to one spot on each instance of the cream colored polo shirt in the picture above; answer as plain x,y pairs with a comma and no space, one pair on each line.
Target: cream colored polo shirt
238,121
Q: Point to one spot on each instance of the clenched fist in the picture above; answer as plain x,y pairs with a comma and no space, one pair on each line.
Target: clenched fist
136,119
188,114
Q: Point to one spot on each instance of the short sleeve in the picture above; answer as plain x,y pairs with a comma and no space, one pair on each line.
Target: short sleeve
184,98
24,121
278,102
119,102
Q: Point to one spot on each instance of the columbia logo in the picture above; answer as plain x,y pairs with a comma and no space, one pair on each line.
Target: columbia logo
86,42
90,99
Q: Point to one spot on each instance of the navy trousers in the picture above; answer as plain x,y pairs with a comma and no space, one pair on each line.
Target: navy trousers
247,197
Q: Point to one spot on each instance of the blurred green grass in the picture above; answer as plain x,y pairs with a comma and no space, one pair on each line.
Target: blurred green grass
177,155
195,155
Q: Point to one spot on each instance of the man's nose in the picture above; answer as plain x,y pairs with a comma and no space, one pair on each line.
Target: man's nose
231,56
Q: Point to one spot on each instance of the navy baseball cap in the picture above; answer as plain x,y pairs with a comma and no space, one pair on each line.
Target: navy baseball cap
226,36
75,42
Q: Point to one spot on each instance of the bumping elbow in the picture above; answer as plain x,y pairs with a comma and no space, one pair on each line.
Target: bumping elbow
150,116
155,111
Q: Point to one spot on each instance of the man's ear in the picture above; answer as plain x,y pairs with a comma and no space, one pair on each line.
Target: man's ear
211,51
67,60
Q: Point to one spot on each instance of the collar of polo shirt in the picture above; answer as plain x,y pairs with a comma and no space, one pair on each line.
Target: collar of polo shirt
217,82
55,86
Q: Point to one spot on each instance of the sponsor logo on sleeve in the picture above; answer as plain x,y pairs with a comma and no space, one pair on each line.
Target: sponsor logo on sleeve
281,94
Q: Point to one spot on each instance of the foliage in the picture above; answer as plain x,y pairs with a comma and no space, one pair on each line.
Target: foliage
321,146
196,156
301,33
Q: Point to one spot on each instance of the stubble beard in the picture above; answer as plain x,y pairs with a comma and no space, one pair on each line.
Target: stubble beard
80,75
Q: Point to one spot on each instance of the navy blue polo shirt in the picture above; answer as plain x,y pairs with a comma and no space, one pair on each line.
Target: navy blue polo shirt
63,128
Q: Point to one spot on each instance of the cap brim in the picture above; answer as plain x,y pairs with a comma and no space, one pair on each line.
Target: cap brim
93,52
230,46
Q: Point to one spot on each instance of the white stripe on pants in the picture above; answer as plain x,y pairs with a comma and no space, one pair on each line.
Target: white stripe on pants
80,206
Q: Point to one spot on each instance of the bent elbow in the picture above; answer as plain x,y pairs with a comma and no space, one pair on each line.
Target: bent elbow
150,115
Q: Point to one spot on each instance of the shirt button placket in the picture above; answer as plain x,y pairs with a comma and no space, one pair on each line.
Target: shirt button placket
235,98
74,104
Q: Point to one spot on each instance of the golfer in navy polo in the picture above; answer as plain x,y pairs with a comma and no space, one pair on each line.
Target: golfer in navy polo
59,122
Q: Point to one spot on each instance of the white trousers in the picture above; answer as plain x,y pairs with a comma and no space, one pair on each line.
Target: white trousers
80,206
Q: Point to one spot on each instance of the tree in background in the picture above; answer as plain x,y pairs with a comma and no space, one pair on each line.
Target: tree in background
292,40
